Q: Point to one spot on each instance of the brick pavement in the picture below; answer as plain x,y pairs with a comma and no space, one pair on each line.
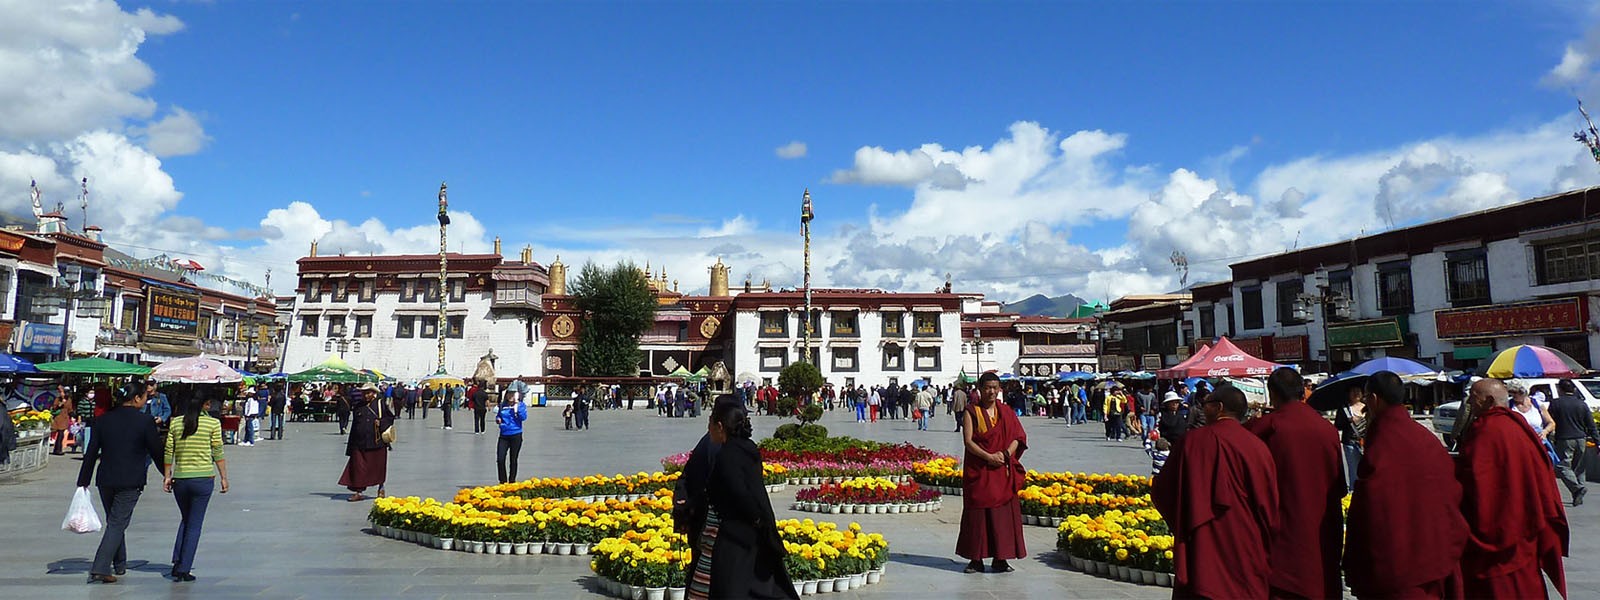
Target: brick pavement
285,531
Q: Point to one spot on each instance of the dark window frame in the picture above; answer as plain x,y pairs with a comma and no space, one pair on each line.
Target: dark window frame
310,325
769,318
894,351
938,357
852,318
458,291
1466,277
855,359
1286,302
893,323
1260,313
428,327
363,327
916,324
367,290
761,359
336,325
408,290
1208,322
341,291
405,327
455,327
1396,296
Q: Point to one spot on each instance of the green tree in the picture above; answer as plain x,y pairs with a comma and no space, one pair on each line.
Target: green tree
617,307
800,380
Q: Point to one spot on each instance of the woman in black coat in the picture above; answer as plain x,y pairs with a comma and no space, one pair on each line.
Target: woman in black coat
368,464
739,553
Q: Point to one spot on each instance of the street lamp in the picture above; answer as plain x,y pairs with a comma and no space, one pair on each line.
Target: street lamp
977,349
342,345
1104,331
1335,305
65,294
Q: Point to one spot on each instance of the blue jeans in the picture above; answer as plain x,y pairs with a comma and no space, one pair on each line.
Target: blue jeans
250,430
1079,415
1148,422
922,420
861,411
193,495
275,426
113,550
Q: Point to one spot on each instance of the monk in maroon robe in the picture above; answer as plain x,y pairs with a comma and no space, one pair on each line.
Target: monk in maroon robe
1305,550
1518,523
991,515
1219,493
1405,533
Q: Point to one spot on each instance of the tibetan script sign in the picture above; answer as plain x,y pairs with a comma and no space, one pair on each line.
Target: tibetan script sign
1522,318
1289,348
172,314
1374,333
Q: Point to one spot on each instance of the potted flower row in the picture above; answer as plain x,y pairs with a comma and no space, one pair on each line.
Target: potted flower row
1133,546
867,495
819,576
840,478
1130,574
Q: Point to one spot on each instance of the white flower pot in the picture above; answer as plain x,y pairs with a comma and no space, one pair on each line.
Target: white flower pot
894,509
1147,577
856,581
580,549
636,592
874,576
676,593
799,587
809,587
447,544
841,584
825,586
659,593
1122,572
505,547
519,548
491,547
1077,563
475,547
1164,579
834,509
563,549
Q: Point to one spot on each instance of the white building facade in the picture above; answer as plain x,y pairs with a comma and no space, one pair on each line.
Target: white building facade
861,337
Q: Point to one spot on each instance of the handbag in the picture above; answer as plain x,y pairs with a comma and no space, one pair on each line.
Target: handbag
81,517
388,435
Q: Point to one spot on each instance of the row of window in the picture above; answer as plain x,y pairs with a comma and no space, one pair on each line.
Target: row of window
406,326
847,324
411,290
848,360
1466,282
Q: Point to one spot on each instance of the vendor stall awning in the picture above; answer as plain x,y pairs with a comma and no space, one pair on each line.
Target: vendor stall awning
1472,352
94,366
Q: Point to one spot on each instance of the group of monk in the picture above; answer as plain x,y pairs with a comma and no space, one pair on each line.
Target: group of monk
1255,507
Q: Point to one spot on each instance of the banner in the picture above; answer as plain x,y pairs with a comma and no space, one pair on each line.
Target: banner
41,338
1523,318
172,314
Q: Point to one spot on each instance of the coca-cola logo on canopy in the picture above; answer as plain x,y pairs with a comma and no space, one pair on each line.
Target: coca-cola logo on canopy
1228,358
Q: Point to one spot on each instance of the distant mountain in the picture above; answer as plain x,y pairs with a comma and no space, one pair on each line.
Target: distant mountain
1039,305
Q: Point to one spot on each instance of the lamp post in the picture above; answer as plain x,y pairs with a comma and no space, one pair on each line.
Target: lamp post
1104,331
342,345
1333,304
65,294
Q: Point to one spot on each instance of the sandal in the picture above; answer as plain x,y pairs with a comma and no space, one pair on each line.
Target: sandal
974,567
355,498
1001,566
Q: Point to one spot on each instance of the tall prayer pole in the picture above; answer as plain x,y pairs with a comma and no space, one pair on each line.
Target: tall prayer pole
805,232
444,268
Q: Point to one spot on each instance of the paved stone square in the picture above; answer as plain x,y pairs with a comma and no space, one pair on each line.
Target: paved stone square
285,531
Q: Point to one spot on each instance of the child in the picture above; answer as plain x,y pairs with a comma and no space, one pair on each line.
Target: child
566,413
1158,451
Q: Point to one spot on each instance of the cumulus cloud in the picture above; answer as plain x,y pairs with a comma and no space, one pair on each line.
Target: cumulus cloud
177,134
71,66
795,149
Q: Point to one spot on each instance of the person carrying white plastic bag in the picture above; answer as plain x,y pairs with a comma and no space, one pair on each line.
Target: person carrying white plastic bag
81,517
124,445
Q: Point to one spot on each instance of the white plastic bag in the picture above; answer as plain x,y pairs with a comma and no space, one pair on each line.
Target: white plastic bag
81,517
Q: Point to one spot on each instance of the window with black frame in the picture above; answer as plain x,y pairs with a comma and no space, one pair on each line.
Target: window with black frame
1254,313
774,323
308,326
893,323
341,291
405,327
1208,322
1394,288
1288,293
363,326
925,323
408,291
1467,277
456,326
843,324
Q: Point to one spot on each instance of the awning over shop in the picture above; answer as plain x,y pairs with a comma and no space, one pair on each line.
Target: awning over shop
1472,352
1388,331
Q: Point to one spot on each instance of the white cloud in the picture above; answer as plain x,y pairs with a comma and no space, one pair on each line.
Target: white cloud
1573,67
177,134
70,66
791,150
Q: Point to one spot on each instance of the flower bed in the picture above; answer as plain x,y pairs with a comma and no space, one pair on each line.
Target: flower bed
1051,497
878,460
27,421
625,522
864,495
1133,546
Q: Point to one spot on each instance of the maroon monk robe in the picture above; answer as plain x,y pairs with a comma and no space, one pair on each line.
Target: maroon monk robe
1405,534
991,515
1219,493
1518,523
1305,548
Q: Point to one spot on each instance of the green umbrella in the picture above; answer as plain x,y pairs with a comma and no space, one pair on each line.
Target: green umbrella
94,366
680,373
333,370
700,376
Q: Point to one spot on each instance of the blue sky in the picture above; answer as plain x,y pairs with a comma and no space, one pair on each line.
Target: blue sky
1078,144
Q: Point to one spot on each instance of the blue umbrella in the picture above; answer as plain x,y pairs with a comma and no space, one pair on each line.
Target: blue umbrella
1333,394
1074,376
1394,364
13,364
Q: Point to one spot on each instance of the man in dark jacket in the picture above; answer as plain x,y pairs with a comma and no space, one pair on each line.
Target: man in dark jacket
124,444
1574,425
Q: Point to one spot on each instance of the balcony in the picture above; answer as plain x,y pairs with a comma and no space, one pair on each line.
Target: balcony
116,337
517,298
222,347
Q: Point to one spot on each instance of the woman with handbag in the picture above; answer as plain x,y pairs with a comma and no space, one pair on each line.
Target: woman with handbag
371,434
194,461
991,515
61,422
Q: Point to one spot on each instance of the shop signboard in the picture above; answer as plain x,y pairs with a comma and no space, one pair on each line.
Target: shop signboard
1387,331
1256,347
1289,348
40,338
171,313
1564,315
1150,362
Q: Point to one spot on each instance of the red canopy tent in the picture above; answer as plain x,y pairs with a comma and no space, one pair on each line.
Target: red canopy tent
1172,371
1225,360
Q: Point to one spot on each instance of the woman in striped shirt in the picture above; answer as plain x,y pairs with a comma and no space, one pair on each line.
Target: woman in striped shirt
194,461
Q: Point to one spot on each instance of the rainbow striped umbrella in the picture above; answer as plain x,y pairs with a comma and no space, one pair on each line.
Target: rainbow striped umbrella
1532,361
